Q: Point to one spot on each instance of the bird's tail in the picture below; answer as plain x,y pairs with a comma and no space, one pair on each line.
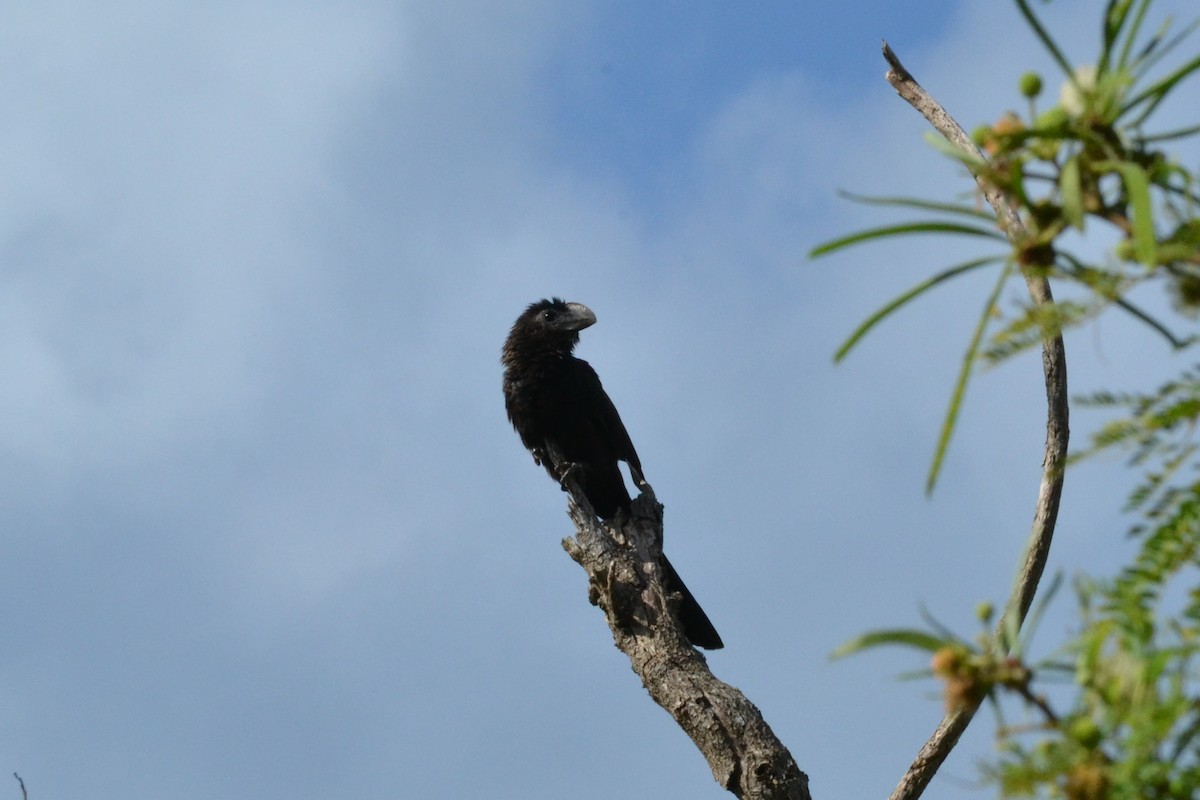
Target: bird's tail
696,624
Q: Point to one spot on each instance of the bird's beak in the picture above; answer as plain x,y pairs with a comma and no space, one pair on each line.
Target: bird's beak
581,317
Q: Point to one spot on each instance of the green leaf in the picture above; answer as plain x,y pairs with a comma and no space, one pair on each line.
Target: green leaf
1155,50
1160,328
926,205
970,158
1047,40
903,229
1166,136
904,298
937,627
1114,19
1018,645
1080,272
964,374
906,637
1137,187
1132,35
1072,193
1158,91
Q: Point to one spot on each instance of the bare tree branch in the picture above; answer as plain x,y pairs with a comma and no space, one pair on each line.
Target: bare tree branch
1054,367
621,558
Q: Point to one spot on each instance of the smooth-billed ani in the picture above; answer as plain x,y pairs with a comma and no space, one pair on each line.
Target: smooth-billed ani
558,407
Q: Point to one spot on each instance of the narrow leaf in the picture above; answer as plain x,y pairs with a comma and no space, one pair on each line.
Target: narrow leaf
1152,53
1021,645
1159,327
1157,92
906,637
1137,188
970,158
937,627
904,298
1047,40
927,205
901,230
1178,133
1114,19
1132,34
1078,270
960,386
1072,192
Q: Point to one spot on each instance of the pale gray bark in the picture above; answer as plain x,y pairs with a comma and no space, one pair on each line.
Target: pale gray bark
621,560
1054,369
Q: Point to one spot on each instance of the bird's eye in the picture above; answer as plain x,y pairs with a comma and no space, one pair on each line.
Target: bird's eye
549,315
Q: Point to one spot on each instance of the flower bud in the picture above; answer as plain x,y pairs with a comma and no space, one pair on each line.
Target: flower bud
1030,84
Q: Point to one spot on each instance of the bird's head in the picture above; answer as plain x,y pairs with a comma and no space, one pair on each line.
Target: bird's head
556,316
548,326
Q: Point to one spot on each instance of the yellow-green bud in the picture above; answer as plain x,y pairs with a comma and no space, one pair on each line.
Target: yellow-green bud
1086,732
1031,84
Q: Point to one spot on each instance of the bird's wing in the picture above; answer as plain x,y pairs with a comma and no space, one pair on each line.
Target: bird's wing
606,431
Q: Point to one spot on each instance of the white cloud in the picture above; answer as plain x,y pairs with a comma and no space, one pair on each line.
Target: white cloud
161,159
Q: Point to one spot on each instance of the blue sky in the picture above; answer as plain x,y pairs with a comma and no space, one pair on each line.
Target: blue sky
267,533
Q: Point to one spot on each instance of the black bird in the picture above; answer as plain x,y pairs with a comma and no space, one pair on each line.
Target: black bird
558,407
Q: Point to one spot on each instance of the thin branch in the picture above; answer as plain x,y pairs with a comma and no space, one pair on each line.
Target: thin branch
1054,367
24,794
1039,702
621,558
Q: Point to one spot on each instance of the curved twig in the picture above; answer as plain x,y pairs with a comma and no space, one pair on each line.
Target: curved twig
1054,367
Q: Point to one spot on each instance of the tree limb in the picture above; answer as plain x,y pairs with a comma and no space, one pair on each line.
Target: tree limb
621,558
1054,367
